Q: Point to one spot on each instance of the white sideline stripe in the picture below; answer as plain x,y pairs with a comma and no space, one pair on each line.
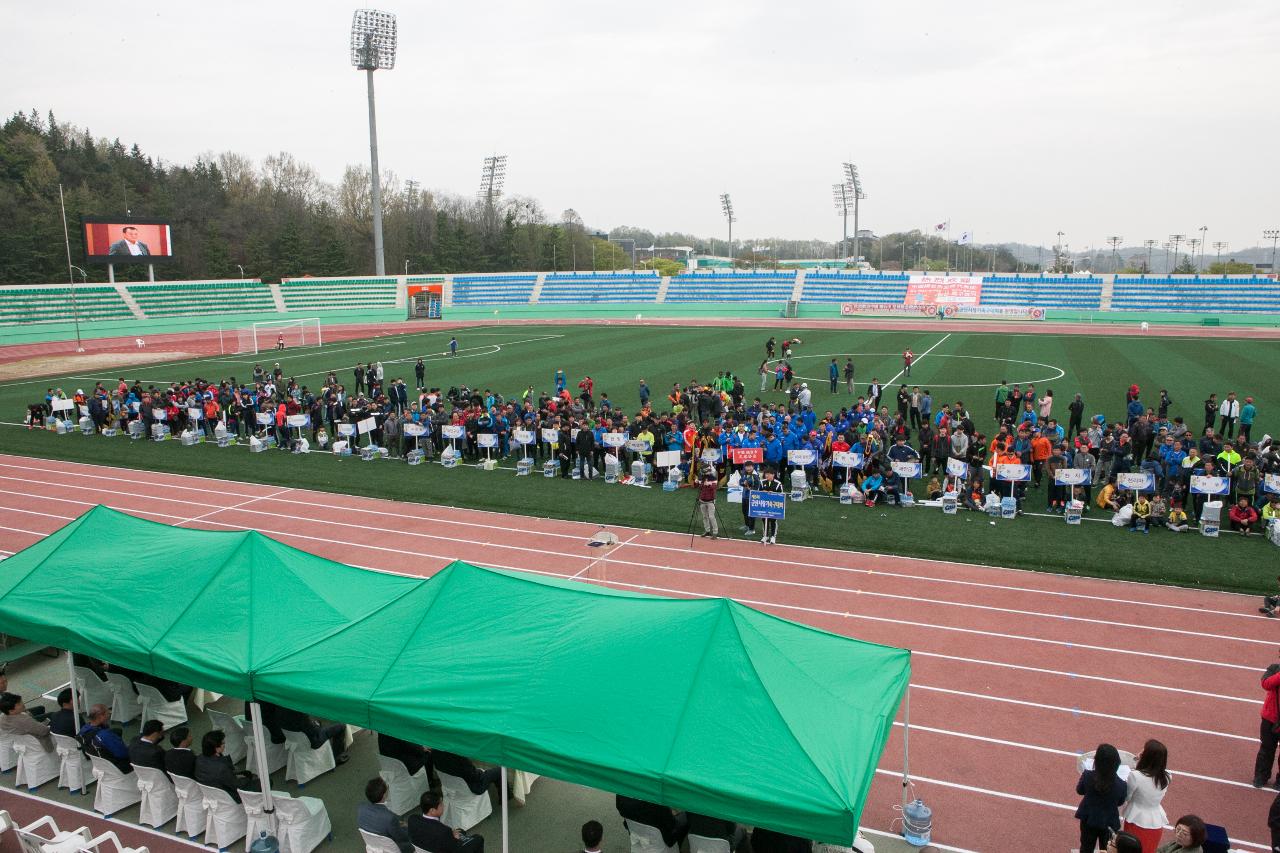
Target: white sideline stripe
1026,703
111,824
704,572
236,506
789,547
976,661
897,774
917,360
867,617
933,845
917,726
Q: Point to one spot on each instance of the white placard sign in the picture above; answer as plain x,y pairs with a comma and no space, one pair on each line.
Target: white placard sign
711,454
802,456
84,411
635,445
346,429
1210,485
298,420
1141,481
266,418
156,414
957,467
1271,483
453,431
59,405
614,439
1072,476
367,425
666,458
414,430
550,436
194,415
1013,473
523,436
905,468
486,439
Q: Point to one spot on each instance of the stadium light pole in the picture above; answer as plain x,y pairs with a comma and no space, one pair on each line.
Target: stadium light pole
1272,234
492,179
1219,246
841,193
855,183
1204,243
66,237
726,205
1150,244
1176,240
1115,255
1167,246
373,47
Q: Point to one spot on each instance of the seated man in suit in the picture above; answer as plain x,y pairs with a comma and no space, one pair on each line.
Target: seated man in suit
36,711
767,841
14,720
413,756
99,739
296,721
465,769
180,761
216,770
375,818
592,836
145,751
661,818
714,827
426,830
270,719
63,720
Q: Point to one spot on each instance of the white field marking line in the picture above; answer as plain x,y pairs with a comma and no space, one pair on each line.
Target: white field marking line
234,506
647,588
578,575
1026,703
683,570
988,792
604,557
933,845
917,360
948,564
109,823
844,569
1048,750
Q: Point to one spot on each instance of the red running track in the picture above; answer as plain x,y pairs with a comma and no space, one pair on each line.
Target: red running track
1014,672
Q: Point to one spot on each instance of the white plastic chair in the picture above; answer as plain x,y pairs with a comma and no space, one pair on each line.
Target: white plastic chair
277,755
462,809
702,844
304,762
34,837
159,799
225,820
190,807
378,843
8,758
75,773
124,701
647,839
93,690
156,707
404,791
35,765
304,824
235,747
116,790
256,819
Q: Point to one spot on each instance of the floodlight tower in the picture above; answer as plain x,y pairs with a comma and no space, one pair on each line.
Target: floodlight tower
1150,244
492,178
1192,245
1218,246
855,185
1272,234
1115,256
1175,240
726,205
373,47
843,195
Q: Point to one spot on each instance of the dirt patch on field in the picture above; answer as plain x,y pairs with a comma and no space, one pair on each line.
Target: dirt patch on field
84,364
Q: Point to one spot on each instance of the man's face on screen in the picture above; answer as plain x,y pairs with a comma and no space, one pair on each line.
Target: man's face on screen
131,234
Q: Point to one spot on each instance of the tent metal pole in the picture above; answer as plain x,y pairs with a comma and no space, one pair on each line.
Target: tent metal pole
505,826
260,757
906,749
75,701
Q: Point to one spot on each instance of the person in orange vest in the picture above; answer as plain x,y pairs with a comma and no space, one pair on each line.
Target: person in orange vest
1041,450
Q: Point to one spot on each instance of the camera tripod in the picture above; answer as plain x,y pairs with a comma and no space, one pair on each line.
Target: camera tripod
693,517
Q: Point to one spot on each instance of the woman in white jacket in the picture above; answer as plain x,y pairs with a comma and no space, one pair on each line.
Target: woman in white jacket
1143,815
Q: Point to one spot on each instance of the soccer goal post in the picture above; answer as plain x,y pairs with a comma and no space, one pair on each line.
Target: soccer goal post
278,334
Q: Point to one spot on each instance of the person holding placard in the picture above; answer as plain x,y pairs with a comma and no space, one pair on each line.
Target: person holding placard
770,483
749,480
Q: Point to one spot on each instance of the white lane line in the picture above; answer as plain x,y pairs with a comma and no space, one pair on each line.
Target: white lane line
402,552
946,564
1035,615
916,361
243,503
602,558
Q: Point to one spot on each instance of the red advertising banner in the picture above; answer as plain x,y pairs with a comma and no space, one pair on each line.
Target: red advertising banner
944,290
746,454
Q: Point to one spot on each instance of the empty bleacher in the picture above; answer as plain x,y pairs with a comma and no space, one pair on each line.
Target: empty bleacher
1081,294
175,299
1041,279
53,304
510,289
1226,294
732,287
890,288
338,294
597,287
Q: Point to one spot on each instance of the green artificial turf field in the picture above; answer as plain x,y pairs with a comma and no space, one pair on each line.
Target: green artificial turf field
957,366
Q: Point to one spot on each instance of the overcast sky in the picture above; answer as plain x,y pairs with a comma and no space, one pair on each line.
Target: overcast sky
1011,119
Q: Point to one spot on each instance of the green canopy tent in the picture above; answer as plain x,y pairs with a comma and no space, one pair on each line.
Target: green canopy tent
686,702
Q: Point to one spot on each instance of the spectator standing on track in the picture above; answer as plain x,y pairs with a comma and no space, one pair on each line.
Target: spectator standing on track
1103,792
1144,817
1268,737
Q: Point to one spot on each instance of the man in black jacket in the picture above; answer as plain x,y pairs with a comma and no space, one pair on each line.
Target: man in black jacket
63,720
145,751
411,755
180,761
661,818
216,770
296,721
428,832
586,445
465,769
